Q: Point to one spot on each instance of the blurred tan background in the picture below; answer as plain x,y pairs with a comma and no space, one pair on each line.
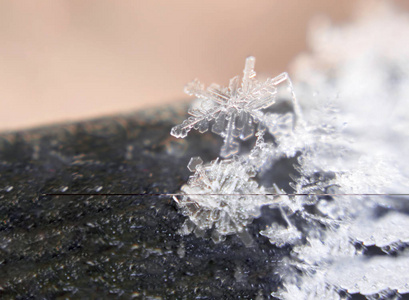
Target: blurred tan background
63,60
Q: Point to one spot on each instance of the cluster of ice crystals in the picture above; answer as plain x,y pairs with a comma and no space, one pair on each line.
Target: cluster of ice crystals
348,150
377,231
356,143
370,277
309,288
221,195
280,235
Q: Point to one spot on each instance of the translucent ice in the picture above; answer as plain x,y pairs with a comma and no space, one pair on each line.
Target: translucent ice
236,110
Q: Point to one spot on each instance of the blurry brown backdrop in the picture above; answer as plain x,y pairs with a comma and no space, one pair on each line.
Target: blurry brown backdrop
70,59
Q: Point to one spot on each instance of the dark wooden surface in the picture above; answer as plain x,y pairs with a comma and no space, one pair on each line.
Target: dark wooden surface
112,246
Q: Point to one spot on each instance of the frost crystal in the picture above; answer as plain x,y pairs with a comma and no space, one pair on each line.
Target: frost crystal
280,235
369,277
388,230
345,156
219,196
236,110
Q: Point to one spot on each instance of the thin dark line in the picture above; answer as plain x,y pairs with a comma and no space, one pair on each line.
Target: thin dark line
181,194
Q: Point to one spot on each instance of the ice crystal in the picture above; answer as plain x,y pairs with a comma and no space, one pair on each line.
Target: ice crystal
280,235
221,195
348,150
237,110
372,276
386,231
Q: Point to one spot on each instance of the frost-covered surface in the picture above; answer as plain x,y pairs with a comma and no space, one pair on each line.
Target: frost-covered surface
349,136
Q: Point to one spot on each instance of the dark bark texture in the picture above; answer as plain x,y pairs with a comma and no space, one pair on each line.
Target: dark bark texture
92,243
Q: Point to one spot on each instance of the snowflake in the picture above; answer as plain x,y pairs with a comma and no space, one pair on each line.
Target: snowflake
235,110
221,196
